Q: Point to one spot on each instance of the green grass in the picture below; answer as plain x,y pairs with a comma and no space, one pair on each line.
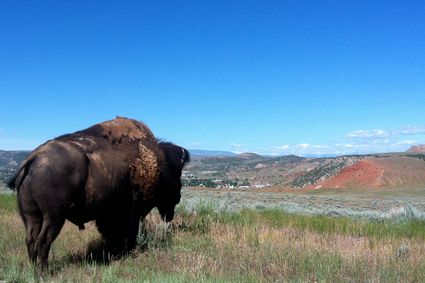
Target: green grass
410,228
8,203
209,245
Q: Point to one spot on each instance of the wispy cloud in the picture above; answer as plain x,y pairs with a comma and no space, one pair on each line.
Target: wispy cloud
195,144
379,133
357,142
303,146
238,148
411,130
282,147
304,149
408,142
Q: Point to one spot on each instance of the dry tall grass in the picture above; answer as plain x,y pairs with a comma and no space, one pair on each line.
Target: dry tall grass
247,246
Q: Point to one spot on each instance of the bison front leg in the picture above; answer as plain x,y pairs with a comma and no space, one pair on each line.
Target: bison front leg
133,228
139,211
132,232
113,231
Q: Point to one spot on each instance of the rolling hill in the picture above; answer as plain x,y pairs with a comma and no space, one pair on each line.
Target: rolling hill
221,169
201,152
417,149
9,162
386,171
395,170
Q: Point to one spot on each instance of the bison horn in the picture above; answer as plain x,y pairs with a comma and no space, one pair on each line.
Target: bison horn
183,156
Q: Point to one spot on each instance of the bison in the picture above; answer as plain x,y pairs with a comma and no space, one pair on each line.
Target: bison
114,172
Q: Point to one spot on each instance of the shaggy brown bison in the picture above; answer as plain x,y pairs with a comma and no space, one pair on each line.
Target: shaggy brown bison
114,173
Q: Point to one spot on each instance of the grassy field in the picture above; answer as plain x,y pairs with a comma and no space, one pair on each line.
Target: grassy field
210,245
382,204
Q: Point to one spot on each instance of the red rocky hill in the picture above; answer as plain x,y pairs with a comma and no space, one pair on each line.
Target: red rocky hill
417,149
397,171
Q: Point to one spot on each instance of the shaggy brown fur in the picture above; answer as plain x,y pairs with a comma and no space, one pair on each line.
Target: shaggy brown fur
145,170
114,172
120,128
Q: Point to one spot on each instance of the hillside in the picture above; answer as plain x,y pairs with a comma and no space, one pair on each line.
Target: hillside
9,162
249,170
241,170
417,149
388,171
396,170
201,152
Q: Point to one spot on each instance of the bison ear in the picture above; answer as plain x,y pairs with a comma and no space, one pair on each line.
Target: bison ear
185,156
175,155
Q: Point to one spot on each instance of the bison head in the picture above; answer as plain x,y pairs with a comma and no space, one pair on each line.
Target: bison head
170,185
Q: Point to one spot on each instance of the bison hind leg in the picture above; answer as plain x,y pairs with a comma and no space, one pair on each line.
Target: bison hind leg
49,231
33,225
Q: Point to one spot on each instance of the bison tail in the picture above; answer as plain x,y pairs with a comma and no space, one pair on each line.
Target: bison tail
11,183
16,181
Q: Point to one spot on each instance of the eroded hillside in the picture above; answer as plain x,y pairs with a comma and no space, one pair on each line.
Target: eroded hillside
9,162
396,170
248,170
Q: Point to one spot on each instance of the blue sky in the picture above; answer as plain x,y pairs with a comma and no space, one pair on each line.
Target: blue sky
272,77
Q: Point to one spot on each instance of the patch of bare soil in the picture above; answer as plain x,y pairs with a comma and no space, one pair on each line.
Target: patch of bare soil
389,172
365,173
417,149
402,171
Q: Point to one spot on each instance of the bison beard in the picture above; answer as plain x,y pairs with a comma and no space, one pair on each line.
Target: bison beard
114,173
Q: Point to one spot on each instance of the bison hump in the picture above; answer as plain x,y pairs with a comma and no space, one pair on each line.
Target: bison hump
120,129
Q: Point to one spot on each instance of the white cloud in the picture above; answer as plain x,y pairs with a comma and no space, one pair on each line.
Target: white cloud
411,130
381,141
195,144
282,147
364,134
355,142
345,145
360,147
307,149
238,148
379,133
408,142
303,145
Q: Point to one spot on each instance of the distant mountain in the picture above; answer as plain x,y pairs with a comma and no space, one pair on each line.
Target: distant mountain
417,149
226,169
201,152
319,155
249,155
241,170
391,170
9,162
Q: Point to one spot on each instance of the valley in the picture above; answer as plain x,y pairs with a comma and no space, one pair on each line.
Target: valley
252,171
389,170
